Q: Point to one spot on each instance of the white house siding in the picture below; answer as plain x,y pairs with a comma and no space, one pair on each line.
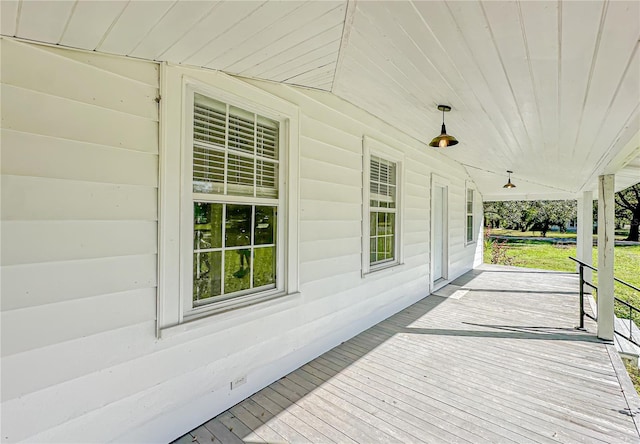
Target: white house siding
80,358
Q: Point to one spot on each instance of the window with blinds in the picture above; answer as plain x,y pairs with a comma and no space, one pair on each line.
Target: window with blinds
382,211
469,210
235,201
235,152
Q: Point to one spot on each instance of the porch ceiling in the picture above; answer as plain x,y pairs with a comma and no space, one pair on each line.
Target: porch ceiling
549,89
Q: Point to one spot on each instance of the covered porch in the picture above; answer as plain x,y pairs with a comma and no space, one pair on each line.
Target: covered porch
493,357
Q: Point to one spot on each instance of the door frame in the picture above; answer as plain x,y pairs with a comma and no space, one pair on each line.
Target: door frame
443,183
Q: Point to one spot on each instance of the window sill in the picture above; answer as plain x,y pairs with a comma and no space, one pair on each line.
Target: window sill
473,242
223,317
383,270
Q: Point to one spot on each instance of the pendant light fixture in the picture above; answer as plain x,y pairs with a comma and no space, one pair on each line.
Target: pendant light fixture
443,140
509,184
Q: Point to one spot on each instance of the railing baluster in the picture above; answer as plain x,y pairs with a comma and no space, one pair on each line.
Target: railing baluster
581,297
630,323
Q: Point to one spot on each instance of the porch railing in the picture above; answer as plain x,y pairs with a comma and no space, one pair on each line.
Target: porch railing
627,305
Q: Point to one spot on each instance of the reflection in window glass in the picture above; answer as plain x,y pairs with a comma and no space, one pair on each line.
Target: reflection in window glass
238,225
207,225
265,225
206,275
237,270
264,272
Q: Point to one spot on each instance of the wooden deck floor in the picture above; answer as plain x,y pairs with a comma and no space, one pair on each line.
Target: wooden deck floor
492,358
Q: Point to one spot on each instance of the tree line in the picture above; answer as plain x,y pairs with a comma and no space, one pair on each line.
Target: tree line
541,215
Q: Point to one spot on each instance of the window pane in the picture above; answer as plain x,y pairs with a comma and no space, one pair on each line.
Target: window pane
207,225
389,247
373,250
469,228
386,223
238,225
373,217
265,226
237,270
380,247
264,271
207,269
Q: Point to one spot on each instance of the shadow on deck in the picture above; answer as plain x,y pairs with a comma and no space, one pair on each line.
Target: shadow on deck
493,357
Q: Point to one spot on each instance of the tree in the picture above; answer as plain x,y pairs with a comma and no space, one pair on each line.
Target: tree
530,215
628,207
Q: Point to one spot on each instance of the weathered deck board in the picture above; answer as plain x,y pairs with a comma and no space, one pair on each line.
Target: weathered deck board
498,361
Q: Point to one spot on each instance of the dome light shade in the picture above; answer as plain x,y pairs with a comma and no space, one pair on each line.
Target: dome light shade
443,140
509,184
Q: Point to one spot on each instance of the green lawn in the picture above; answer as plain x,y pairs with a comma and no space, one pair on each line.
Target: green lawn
620,234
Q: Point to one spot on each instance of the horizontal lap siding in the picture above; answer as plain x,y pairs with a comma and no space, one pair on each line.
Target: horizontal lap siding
79,240
79,226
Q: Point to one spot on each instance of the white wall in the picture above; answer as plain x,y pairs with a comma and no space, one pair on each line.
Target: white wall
80,359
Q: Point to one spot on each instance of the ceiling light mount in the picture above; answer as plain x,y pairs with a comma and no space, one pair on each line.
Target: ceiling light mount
443,140
509,184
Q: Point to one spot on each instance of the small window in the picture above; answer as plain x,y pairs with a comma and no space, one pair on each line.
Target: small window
235,201
382,246
382,211
469,211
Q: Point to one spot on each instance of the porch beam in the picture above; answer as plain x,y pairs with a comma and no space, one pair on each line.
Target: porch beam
584,234
606,242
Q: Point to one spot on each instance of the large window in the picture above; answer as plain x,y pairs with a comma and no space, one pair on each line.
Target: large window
382,246
235,201
228,200
469,212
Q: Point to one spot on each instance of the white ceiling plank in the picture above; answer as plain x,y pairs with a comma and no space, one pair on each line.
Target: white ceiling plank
133,25
580,27
315,77
320,65
44,21
171,27
541,29
245,29
306,21
90,22
223,18
506,29
291,68
291,53
8,17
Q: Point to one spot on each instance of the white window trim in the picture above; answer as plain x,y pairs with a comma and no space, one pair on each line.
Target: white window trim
470,186
175,198
374,147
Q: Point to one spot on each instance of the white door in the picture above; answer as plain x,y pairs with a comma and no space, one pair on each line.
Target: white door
439,232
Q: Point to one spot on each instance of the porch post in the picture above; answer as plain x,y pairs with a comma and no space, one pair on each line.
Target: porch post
606,243
584,241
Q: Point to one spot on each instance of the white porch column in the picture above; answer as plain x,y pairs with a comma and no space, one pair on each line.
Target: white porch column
584,241
606,243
